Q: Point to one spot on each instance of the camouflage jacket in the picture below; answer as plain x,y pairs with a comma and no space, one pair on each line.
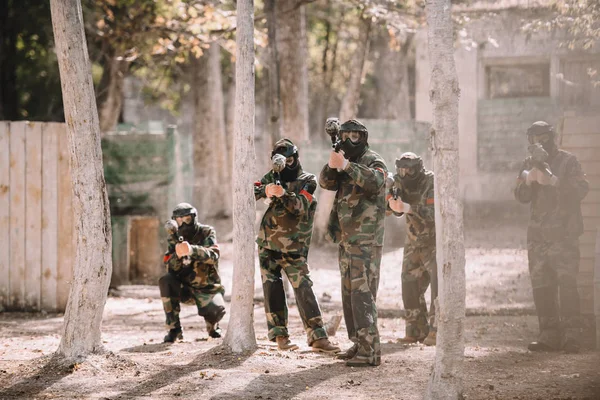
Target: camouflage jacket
358,212
203,271
287,224
555,211
421,220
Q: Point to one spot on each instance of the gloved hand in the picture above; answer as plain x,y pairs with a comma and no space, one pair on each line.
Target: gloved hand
274,190
532,176
398,206
544,179
183,249
337,161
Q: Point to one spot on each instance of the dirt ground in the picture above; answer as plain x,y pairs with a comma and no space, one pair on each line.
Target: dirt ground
499,324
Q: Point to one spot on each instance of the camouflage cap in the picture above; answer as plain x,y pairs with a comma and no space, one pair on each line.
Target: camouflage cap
353,125
183,209
539,128
284,147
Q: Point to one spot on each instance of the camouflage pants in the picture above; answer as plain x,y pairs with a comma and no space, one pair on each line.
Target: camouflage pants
359,268
296,269
419,269
553,268
211,306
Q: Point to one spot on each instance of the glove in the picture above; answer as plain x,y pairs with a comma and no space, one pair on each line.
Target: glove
532,176
337,161
544,179
183,249
398,206
274,190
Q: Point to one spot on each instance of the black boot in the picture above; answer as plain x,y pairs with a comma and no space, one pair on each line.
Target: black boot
546,305
173,335
215,333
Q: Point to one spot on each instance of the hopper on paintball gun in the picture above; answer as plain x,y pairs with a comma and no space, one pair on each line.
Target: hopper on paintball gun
332,128
278,164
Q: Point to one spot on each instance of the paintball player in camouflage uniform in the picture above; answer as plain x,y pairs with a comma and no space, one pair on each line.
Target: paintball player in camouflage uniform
412,194
192,262
554,184
356,222
283,244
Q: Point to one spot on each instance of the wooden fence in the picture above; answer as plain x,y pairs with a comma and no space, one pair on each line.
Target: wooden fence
581,136
36,219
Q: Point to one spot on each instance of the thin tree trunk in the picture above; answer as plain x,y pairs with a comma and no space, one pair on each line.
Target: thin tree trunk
93,263
292,52
9,98
221,198
446,381
274,94
352,97
240,331
202,137
111,92
391,79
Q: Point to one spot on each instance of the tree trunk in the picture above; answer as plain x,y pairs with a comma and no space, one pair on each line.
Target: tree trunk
111,92
93,263
215,126
203,166
446,379
274,94
240,331
9,98
352,97
391,79
293,53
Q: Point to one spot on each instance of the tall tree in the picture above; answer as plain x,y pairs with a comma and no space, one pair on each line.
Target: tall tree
293,53
93,263
446,378
274,93
351,98
240,331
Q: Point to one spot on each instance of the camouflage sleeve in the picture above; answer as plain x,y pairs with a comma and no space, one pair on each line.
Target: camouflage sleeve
259,186
300,204
369,177
207,251
328,179
522,191
426,207
574,182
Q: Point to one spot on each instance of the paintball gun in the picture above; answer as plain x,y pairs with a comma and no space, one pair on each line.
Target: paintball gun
172,229
390,186
539,156
332,128
278,164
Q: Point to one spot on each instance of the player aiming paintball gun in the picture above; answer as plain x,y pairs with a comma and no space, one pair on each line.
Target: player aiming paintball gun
173,231
538,159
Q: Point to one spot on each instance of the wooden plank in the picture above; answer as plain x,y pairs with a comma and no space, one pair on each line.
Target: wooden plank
4,215
581,125
66,231
49,215
580,140
591,223
145,262
590,210
594,181
33,216
588,237
17,215
591,167
585,153
587,250
586,269
593,197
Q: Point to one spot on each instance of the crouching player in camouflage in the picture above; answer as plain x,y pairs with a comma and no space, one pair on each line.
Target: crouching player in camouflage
553,182
356,222
192,272
411,194
283,243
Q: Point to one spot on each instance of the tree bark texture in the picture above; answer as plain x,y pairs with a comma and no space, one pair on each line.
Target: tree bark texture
351,99
111,92
9,98
93,262
274,94
240,331
391,79
446,379
293,54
